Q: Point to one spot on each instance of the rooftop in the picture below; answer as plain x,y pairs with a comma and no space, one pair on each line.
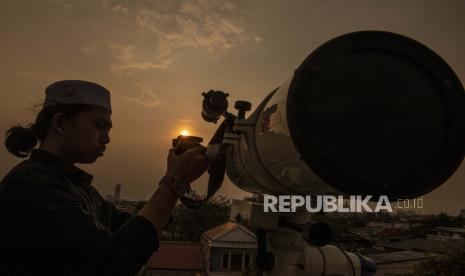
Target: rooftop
423,245
220,229
398,256
451,229
178,256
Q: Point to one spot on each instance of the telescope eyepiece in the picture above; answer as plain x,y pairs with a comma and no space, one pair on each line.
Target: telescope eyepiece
214,105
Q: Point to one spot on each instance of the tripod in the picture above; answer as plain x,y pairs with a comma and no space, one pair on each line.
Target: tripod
292,245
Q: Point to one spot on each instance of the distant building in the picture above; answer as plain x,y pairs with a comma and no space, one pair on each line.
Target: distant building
398,263
406,212
228,249
126,206
447,234
420,245
385,225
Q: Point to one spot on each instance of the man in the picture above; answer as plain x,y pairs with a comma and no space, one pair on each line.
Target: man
54,222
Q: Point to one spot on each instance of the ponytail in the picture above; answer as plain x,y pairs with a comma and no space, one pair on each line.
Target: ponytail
21,140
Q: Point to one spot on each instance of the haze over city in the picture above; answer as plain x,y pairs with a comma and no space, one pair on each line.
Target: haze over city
156,57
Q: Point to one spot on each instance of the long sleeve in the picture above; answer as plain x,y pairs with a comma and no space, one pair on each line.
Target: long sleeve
117,217
48,225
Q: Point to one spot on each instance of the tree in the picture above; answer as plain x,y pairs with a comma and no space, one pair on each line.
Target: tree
452,263
188,224
442,219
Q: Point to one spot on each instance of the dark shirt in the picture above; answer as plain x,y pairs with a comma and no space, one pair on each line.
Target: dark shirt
54,222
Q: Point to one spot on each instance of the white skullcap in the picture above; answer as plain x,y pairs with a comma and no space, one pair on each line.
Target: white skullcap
77,92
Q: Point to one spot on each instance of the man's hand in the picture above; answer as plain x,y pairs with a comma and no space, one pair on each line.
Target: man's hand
188,166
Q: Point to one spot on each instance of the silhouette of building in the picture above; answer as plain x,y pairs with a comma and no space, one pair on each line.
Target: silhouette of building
447,234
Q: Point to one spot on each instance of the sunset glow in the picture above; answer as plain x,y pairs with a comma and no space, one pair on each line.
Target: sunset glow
185,132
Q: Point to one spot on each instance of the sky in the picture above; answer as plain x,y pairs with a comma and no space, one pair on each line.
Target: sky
156,57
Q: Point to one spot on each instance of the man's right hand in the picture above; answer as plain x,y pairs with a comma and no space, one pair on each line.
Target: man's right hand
188,166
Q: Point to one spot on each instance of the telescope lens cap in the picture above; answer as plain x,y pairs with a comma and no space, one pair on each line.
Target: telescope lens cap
377,113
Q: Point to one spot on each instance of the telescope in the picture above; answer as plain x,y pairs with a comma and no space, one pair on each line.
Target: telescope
366,113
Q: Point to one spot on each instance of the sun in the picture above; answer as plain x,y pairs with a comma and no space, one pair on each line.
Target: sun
185,132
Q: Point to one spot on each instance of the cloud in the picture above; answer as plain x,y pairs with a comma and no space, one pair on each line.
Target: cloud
157,33
128,60
146,96
211,25
120,9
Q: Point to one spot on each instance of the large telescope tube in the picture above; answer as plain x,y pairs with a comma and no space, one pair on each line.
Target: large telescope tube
367,113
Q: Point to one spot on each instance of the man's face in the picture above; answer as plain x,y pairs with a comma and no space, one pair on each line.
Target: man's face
86,135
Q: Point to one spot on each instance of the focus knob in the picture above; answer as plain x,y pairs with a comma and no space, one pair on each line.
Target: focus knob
242,107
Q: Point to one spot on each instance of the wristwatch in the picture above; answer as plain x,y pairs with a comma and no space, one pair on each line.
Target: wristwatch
178,187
